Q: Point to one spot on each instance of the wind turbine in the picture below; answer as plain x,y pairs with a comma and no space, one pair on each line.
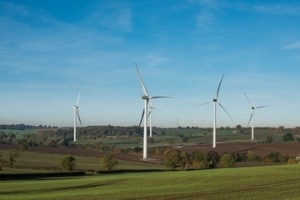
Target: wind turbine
149,116
252,115
76,115
215,101
146,97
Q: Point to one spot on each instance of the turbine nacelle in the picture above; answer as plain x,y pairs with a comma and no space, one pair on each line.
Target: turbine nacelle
145,97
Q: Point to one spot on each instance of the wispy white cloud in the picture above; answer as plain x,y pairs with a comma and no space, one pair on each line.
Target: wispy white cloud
10,9
283,9
209,10
294,45
205,18
155,59
114,16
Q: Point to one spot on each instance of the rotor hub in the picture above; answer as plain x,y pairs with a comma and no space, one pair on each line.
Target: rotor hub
145,97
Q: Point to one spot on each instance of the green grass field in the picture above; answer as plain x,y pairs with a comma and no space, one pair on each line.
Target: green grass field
19,133
272,182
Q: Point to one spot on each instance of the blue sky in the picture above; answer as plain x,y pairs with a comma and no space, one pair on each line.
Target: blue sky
51,50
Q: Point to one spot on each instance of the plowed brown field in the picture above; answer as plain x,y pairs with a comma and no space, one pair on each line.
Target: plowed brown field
261,149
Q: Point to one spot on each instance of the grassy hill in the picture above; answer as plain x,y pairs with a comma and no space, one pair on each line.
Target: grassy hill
257,183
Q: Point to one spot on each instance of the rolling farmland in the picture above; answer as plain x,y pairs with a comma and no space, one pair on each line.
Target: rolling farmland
152,180
272,182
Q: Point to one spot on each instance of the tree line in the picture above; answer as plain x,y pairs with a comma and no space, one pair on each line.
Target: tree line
176,158
23,126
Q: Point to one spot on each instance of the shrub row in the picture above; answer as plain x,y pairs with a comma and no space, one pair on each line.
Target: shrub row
175,158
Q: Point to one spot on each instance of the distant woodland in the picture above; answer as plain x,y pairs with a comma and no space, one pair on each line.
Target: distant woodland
108,137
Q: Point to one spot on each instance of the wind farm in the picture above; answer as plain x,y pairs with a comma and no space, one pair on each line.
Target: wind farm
97,99
179,148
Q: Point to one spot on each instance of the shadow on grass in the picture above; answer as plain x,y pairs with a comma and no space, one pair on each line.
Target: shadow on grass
30,176
61,188
120,171
65,175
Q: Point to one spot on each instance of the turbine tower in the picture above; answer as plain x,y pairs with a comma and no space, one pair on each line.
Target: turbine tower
252,115
146,97
76,116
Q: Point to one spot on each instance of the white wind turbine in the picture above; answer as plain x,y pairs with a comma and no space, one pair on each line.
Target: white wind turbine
146,97
252,115
215,100
76,115
149,116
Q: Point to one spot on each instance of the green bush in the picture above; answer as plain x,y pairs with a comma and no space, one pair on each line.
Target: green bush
227,160
137,149
284,159
213,158
288,137
12,157
273,157
68,163
157,151
176,158
292,160
251,156
240,156
2,161
199,160
298,159
184,160
108,162
269,139
172,158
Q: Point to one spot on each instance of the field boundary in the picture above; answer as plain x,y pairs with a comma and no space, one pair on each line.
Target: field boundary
39,175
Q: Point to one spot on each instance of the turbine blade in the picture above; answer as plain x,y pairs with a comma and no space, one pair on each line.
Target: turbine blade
225,110
219,86
249,119
151,105
141,81
203,103
142,118
78,116
77,103
149,112
261,107
157,97
248,100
